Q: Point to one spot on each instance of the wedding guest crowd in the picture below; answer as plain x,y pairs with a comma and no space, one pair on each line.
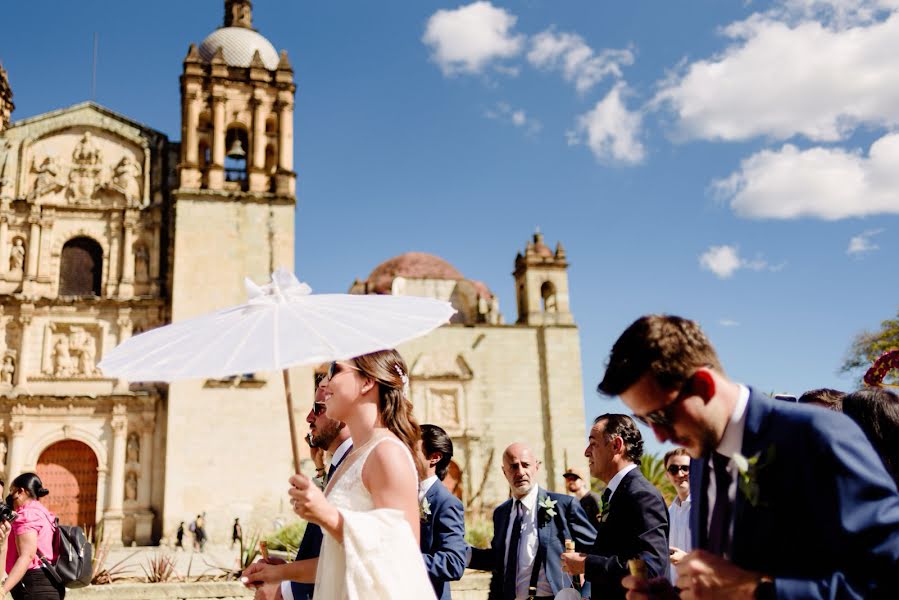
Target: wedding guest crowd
773,499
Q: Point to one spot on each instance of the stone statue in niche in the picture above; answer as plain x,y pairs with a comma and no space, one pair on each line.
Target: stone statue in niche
47,180
131,486
141,263
63,365
445,408
85,346
125,180
17,256
84,178
7,371
132,452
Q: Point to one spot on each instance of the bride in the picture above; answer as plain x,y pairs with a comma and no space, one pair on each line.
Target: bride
369,510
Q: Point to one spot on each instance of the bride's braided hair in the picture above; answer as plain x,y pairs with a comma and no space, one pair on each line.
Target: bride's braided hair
389,369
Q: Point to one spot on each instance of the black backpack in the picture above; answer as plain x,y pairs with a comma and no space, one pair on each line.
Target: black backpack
73,567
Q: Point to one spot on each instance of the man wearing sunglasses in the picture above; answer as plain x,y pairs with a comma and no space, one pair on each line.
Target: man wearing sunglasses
789,501
677,470
325,435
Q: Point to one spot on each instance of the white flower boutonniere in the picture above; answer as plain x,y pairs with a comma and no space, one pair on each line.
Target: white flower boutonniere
424,509
547,510
749,470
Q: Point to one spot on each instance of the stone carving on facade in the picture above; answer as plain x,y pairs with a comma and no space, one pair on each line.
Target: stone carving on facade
84,177
132,450
141,263
126,181
48,177
445,407
4,447
73,353
8,369
131,486
17,256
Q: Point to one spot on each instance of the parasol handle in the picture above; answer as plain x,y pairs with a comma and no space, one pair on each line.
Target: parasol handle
294,447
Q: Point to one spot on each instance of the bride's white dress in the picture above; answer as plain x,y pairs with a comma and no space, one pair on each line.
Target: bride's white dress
379,557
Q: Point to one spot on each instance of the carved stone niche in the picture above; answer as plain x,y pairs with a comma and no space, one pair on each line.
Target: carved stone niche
440,380
71,351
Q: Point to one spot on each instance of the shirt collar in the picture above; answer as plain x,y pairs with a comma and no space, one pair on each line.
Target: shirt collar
732,440
530,500
341,451
685,503
613,485
425,485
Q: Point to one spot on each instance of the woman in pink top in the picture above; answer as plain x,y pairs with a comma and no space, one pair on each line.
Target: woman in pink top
32,530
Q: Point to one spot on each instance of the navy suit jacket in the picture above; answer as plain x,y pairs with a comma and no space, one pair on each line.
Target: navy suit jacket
443,539
634,525
570,523
826,522
311,547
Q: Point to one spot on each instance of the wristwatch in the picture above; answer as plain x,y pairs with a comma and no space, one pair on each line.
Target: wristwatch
765,590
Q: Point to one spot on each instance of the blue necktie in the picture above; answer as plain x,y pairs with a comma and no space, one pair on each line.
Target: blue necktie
511,575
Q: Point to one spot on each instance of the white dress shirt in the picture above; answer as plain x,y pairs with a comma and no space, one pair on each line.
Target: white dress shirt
731,443
616,480
425,485
339,453
527,546
679,535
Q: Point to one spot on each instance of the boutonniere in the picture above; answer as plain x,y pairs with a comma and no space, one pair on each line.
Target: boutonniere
424,509
749,470
603,515
547,510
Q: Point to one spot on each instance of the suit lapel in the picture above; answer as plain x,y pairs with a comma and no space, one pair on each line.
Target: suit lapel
427,525
699,512
502,524
744,513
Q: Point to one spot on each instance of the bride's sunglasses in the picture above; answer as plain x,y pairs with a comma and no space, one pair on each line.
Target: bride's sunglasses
336,368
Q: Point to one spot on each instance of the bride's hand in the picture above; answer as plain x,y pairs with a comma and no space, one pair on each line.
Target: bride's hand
309,502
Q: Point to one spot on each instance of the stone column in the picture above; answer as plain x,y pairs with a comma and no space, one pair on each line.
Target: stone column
126,282
24,349
126,326
217,168
4,239
16,440
112,527
285,138
146,464
191,127
34,244
257,160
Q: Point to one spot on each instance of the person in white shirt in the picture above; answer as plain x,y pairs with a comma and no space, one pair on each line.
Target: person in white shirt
677,470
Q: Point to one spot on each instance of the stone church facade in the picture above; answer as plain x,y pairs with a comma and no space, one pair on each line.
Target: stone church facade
108,228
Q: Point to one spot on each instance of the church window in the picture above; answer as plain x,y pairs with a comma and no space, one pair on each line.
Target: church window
81,267
548,293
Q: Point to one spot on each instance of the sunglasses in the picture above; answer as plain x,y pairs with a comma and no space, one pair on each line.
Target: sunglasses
664,417
336,368
319,408
675,469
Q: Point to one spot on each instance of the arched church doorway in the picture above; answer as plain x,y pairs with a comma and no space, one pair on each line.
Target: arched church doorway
69,470
453,480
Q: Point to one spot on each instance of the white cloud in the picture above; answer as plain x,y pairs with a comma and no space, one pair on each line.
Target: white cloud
504,112
862,243
825,183
725,260
814,68
612,131
567,52
728,323
471,37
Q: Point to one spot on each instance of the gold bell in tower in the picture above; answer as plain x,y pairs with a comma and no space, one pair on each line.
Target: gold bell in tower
236,150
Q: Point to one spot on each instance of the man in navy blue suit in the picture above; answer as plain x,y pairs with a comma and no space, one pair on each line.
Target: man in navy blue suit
529,533
325,435
634,519
789,501
442,516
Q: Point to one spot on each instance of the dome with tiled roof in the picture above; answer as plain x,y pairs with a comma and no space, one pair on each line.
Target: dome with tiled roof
412,265
238,45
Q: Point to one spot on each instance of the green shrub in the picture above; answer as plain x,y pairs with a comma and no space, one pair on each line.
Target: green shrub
287,539
479,530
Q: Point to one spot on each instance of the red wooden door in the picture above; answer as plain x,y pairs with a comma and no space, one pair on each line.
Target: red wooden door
68,469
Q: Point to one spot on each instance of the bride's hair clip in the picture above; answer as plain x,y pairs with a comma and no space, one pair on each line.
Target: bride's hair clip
403,377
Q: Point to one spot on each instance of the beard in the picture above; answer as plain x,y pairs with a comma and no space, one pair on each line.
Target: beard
325,436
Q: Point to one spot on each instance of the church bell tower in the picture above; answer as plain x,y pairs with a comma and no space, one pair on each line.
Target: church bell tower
541,284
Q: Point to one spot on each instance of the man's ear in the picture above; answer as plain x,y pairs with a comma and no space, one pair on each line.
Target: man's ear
704,384
435,457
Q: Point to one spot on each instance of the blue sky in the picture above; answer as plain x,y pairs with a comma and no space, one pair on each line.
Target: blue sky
731,162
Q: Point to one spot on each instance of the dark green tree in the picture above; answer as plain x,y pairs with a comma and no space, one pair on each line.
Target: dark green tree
869,345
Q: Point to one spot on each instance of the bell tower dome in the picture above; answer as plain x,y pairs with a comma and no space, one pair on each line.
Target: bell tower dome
541,284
